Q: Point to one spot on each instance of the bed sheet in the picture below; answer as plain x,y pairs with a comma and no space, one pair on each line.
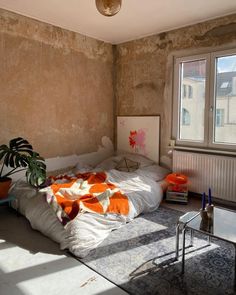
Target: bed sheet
88,230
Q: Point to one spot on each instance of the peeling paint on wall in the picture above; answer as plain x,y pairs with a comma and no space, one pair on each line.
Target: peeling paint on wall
144,69
219,31
56,37
56,87
59,88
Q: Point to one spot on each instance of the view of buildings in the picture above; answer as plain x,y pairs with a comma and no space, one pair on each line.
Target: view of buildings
192,105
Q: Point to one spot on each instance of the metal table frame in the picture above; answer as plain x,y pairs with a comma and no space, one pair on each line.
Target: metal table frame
185,227
182,224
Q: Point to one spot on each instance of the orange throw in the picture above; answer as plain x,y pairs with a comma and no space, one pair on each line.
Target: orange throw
85,192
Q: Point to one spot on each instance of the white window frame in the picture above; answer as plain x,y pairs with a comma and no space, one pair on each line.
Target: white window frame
209,101
176,99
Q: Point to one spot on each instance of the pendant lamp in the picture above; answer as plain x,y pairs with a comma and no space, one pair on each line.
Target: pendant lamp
108,7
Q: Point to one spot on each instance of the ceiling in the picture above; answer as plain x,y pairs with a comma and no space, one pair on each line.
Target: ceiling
136,19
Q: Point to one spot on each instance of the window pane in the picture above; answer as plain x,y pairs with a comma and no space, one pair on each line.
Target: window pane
225,100
192,100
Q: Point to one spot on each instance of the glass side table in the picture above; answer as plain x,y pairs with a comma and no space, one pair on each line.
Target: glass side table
221,226
181,223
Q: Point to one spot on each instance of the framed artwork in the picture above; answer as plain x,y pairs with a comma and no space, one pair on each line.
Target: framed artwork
139,134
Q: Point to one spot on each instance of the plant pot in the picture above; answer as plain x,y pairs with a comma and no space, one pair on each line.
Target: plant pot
5,184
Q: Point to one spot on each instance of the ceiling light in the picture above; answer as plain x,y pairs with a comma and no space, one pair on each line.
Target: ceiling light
108,7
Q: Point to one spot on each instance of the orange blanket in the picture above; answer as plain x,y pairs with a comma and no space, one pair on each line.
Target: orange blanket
86,192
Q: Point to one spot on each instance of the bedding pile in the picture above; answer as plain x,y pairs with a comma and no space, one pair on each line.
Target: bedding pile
85,192
80,209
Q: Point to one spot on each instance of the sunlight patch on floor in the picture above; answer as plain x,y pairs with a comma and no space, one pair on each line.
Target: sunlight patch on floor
13,258
26,273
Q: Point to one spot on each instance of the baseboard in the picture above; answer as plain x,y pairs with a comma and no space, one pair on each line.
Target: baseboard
216,201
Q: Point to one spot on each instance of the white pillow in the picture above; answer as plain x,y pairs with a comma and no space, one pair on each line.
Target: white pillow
142,160
82,168
67,170
154,172
112,162
107,164
127,165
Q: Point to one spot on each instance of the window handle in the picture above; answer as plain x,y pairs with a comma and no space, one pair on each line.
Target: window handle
211,109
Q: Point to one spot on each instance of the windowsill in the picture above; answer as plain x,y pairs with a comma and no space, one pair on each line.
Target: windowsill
202,150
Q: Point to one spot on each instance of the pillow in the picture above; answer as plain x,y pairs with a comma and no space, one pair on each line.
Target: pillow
108,164
127,165
112,162
82,168
154,172
142,160
60,171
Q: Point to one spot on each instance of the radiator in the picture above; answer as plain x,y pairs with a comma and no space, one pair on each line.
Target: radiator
204,171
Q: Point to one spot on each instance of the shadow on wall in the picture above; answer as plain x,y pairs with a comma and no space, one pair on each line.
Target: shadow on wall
105,150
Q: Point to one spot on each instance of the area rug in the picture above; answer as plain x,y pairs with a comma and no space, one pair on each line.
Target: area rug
139,258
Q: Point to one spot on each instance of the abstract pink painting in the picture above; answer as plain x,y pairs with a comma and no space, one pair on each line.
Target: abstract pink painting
137,140
139,134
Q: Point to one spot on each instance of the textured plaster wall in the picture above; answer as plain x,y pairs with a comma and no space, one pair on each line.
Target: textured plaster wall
144,69
56,87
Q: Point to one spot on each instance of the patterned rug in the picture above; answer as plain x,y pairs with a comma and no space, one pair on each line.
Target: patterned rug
139,258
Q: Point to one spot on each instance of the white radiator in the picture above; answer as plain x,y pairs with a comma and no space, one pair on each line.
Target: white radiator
204,171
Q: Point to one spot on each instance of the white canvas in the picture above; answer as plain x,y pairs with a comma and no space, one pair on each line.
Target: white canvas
139,135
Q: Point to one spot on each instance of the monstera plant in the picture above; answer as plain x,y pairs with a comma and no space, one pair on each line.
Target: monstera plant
20,156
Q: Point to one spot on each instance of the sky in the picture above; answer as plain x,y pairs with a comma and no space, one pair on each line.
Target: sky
226,64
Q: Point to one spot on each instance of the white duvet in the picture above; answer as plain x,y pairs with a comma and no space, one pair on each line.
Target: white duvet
88,230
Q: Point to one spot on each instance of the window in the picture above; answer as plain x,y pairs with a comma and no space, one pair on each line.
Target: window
190,91
184,91
208,117
224,85
220,117
185,117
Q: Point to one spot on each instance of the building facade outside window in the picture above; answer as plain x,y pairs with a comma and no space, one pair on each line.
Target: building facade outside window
220,117
209,81
184,91
190,91
185,117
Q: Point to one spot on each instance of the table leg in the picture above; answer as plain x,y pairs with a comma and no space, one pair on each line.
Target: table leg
177,242
209,240
191,237
183,250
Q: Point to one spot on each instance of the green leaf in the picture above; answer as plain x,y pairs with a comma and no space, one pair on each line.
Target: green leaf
6,160
36,172
19,154
2,154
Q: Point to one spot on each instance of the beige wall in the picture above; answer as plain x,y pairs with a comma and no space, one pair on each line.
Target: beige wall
144,69
56,87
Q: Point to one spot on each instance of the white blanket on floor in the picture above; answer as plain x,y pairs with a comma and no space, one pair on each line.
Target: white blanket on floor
88,230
